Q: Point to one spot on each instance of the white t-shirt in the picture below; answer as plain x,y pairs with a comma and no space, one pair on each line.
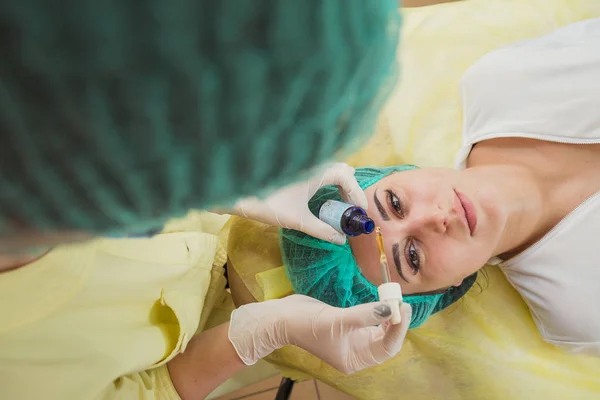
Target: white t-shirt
548,89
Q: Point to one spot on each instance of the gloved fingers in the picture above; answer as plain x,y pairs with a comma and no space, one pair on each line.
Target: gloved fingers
313,226
394,336
300,298
365,315
342,175
249,207
352,193
239,334
255,209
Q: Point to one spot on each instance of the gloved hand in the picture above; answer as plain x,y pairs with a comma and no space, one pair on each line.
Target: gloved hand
288,207
345,338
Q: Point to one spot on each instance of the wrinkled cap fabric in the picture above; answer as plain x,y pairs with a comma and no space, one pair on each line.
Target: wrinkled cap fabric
120,113
330,273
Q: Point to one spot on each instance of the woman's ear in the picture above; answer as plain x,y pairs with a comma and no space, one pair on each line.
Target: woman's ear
457,284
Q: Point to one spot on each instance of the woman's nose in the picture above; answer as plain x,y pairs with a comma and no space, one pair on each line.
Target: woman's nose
432,220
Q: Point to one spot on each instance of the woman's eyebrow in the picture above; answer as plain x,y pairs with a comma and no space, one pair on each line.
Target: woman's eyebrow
396,256
384,214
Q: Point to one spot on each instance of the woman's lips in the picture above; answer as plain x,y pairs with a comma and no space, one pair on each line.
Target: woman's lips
469,211
460,209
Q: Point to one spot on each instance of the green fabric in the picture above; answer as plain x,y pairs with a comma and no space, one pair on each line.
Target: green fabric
119,113
329,272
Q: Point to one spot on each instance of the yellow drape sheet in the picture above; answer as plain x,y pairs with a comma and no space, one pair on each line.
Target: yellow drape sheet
486,346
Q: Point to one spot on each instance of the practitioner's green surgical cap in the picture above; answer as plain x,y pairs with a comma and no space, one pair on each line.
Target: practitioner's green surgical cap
329,272
119,113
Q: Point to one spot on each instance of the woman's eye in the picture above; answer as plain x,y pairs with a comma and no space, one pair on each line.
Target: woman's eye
395,202
413,257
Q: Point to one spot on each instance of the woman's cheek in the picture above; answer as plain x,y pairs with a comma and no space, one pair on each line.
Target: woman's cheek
366,257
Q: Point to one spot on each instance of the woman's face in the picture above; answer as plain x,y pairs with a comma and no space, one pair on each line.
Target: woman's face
439,226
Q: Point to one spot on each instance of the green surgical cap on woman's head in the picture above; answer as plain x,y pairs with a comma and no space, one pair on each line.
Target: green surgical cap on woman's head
120,113
329,272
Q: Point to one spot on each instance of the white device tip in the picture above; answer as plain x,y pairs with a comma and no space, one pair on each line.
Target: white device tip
391,293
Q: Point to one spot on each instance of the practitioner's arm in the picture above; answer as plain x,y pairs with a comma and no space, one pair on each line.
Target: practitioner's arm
208,360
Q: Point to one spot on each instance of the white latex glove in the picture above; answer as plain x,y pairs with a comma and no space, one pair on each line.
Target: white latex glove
288,207
347,339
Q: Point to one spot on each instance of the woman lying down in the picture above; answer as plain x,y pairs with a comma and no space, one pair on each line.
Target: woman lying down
525,197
